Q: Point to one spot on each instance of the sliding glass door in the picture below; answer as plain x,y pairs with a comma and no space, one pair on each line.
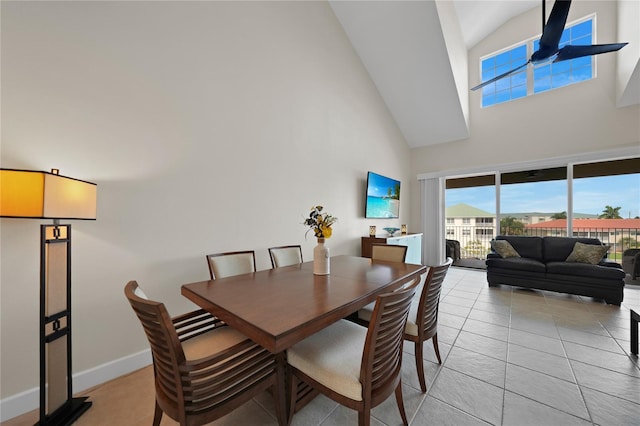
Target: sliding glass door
598,199
610,191
470,216
533,197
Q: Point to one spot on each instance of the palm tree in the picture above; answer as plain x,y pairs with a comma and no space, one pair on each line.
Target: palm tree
628,243
561,215
511,226
610,213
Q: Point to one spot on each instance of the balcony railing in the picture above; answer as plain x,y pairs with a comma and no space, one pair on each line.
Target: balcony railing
620,239
475,241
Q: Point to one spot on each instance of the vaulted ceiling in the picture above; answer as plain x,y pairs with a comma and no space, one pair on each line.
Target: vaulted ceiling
415,52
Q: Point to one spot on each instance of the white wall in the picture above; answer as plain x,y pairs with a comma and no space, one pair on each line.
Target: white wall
577,119
208,126
628,81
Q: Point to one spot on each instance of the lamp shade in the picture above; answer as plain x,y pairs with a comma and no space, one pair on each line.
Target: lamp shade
44,195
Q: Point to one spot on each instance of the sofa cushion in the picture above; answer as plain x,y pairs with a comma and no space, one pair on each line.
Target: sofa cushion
587,253
584,270
517,264
530,247
557,249
504,248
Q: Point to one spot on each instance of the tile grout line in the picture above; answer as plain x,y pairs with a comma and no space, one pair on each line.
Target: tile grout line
506,363
573,374
441,366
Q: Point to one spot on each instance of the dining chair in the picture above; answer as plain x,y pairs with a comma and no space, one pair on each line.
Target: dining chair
204,369
285,255
355,366
388,252
231,263
422,323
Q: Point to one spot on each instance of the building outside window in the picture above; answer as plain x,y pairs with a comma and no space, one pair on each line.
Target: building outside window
484,232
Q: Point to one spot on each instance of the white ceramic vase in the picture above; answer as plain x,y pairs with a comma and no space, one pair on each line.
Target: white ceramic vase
321,264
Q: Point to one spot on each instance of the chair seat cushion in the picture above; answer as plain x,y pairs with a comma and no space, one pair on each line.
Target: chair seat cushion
211,342
412,328
332,357
365,313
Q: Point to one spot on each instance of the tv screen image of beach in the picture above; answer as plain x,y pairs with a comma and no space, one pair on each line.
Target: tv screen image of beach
383,197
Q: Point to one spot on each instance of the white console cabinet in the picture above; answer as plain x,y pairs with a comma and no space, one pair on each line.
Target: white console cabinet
412,241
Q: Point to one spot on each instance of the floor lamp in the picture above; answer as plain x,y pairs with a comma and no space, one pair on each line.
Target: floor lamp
42,195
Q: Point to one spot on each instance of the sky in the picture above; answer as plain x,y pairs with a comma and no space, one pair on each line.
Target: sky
591,195
378,186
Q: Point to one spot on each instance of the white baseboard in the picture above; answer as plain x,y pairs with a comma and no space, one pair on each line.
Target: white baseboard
28,400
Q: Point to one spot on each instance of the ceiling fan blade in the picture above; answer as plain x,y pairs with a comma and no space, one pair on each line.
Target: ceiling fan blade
554,27
503,75
571,52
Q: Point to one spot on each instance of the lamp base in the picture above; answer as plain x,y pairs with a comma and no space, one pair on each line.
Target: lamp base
68,413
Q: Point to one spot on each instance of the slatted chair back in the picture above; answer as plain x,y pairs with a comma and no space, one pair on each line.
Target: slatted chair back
422,324
355,366
229,369
382,355
427,315
166,350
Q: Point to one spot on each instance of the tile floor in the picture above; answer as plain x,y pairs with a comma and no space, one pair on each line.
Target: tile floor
510,357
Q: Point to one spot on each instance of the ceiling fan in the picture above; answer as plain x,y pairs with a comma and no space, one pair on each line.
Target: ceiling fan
549,50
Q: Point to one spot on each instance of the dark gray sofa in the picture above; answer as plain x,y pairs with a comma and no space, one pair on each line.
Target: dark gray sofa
542,266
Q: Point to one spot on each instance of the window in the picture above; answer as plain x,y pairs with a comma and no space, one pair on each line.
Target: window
450,232
508,88
608,190
525,191
472,198
558,74
543,77
450,221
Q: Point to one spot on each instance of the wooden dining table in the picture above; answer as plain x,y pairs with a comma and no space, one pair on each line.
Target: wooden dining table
279,307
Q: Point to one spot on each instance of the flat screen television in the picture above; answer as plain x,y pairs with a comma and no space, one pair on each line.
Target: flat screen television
383,197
